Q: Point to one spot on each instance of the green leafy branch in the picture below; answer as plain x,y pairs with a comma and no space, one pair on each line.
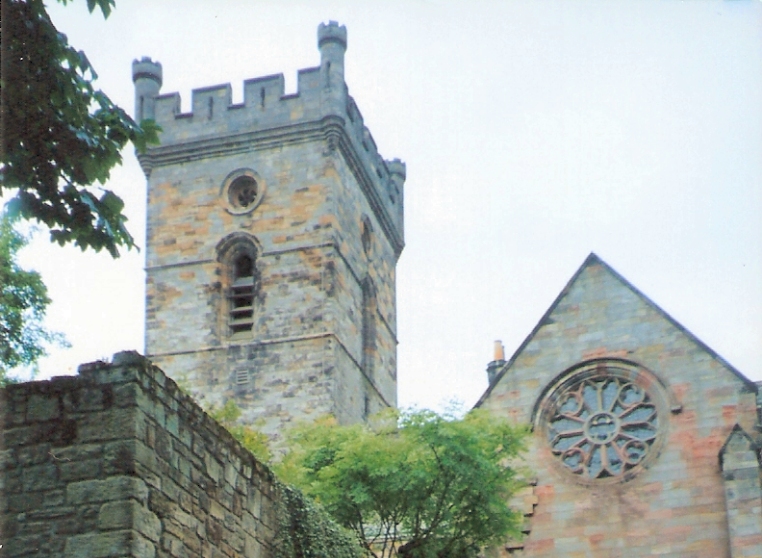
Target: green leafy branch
23,303
60,134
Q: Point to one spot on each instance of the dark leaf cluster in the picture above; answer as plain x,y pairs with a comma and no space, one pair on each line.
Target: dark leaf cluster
306,531
252,439
60,135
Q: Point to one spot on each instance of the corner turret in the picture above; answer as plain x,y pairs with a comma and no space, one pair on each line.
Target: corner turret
398,170
332,42
147,77
398,173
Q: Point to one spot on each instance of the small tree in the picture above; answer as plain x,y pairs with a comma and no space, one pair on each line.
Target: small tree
252,439
414,484
23,302
59,134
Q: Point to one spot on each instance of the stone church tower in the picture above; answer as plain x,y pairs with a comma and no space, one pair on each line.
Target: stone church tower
274,228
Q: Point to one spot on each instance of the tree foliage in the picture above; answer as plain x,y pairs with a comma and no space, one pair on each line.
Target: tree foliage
60,135
253,440
304,530
414,484
23,302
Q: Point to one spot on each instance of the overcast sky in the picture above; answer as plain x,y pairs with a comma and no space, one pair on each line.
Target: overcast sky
534,133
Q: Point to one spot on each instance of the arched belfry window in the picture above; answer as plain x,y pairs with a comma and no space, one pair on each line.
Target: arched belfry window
237,254
241,294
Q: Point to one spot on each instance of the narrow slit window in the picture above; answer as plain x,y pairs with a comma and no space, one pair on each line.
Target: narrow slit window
242,295
368,328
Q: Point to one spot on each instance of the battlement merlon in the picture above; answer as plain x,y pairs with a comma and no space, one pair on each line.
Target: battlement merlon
321,107
321,91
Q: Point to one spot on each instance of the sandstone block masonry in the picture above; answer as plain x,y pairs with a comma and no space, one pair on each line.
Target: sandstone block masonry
296,184
645,441
118,462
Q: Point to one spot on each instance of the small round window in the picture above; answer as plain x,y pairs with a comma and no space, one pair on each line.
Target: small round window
242,191
605,421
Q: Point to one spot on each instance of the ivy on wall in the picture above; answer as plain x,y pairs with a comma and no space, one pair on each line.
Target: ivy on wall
305,531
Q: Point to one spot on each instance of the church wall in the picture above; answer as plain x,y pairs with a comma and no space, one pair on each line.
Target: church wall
186,306
673,506
739,460
356,397
185,303
348,296
187,215
354,264
275,384
289,382
380,260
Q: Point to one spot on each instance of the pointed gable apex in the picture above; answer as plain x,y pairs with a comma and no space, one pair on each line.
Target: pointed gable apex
592,261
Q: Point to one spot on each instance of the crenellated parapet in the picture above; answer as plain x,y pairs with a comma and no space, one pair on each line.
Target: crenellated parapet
321,109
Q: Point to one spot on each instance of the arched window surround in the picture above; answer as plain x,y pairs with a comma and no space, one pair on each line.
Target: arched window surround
237,253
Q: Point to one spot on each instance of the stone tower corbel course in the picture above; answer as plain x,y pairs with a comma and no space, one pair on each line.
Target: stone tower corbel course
325,216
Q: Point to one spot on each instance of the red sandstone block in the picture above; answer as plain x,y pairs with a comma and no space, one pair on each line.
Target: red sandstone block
542,545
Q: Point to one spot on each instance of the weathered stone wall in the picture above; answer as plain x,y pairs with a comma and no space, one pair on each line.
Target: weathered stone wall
739,461
322,179
355,265
118,462
677,504
354,395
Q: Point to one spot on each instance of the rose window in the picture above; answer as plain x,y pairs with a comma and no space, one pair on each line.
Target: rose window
602,425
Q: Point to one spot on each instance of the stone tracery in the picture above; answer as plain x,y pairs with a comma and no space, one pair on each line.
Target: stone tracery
602,426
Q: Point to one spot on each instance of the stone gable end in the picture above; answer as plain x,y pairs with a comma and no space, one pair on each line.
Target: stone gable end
662,493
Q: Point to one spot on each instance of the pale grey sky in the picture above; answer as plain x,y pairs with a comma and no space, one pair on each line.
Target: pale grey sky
534,133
